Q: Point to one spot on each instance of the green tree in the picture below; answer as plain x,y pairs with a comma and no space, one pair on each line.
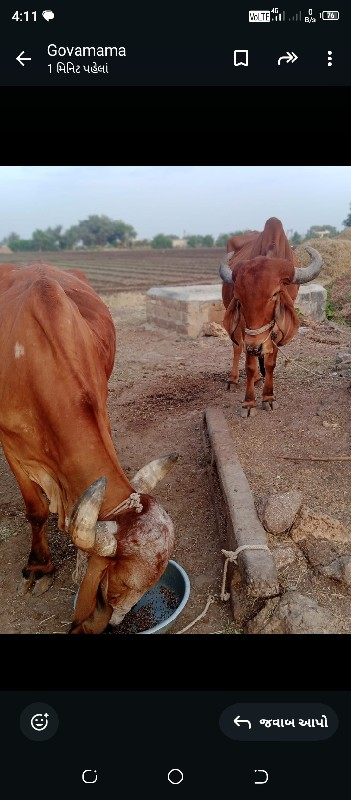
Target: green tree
193,241
98,231
12,237
296,239
207,241
142,243
161,242
312,232
22,244
48,239
200,241
70,238
347,221
222,239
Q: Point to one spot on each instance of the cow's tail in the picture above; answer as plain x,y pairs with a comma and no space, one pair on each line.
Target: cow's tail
261,363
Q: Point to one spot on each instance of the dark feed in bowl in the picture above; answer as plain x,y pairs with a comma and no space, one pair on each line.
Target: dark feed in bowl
148,615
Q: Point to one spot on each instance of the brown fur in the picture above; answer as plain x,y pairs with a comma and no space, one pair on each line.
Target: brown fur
57,349
262,267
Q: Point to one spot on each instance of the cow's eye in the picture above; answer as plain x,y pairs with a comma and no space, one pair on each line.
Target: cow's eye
275,295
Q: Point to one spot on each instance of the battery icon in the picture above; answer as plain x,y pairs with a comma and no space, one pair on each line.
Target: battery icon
332,15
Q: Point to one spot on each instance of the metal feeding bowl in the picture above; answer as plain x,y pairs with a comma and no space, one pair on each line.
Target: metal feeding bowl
157,610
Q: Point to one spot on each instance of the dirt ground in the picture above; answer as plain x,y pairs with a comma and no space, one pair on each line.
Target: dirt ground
160,387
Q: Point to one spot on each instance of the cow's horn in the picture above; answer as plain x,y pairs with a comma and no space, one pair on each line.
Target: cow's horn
147,477
306,274
225,271
86,533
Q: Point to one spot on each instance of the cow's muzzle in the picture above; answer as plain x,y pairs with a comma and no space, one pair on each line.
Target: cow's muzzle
256,349
253,349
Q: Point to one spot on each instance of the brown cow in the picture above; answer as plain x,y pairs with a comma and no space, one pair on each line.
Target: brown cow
258,292
57,349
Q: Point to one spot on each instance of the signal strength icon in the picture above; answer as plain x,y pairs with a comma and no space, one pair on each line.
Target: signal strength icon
295,17
330,58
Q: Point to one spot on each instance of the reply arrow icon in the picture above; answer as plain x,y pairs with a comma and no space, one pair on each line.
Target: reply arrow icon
289,58
237,721
21,58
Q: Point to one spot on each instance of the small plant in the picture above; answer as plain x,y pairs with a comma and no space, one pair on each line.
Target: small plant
299,313
330,309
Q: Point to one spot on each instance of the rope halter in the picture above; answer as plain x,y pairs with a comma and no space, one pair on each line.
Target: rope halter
133,501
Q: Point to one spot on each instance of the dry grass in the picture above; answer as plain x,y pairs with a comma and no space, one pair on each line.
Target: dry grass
336,256
345,234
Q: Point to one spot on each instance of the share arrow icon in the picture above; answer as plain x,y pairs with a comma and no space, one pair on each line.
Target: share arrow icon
289,58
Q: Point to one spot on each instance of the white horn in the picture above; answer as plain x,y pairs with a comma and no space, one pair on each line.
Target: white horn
306,274
147,477
86,533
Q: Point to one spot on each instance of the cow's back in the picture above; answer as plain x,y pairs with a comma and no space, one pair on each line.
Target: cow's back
19,282
57,345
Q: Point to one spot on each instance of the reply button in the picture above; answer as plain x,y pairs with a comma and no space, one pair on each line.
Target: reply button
278,722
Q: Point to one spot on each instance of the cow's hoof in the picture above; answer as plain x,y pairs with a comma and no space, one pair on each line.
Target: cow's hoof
42,585
248,411
269,405
34,586
25,585
231,383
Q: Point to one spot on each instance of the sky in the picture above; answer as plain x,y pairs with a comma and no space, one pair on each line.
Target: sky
174,200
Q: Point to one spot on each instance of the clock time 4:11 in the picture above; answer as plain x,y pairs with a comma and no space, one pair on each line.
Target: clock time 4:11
25,16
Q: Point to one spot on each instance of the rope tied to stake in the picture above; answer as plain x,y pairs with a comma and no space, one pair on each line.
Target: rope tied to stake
231,556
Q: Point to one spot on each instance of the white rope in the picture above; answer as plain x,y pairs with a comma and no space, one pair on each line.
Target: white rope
293,361
232,557
209,601
133,501
260,330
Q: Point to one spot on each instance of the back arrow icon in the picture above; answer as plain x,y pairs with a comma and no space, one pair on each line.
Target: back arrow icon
21,58
237,721
290,57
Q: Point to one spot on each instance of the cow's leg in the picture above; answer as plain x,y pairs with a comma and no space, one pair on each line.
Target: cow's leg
234,375
38,572
251,368
268,396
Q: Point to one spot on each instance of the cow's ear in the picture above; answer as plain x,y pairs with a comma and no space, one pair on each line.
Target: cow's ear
232,319
286,317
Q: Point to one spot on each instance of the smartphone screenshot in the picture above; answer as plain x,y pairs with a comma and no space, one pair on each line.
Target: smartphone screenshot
146,250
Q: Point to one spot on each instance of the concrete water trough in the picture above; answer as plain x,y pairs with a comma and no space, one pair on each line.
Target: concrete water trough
185,309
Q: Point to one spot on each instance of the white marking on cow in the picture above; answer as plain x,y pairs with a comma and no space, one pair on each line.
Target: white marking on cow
19,350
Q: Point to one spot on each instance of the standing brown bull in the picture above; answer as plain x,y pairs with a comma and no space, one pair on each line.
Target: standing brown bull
261,276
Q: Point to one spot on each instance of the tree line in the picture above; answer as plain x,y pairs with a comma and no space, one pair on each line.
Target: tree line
95,231
101,231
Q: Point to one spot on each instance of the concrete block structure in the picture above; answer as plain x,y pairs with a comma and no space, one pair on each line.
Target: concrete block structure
185,309
311,301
